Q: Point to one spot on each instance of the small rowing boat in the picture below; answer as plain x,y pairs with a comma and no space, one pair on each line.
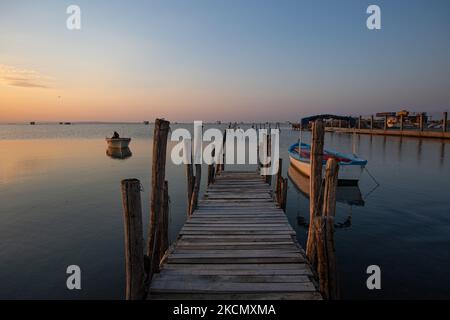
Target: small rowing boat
118,143
350,166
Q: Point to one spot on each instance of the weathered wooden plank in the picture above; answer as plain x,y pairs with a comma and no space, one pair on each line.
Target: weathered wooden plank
241,272
236,266
160,285
238,296
268,278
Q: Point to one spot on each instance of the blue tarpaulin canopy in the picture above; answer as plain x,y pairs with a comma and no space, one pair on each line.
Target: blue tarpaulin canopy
306,120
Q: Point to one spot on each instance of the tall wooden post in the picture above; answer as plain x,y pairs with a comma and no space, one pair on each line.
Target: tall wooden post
421,122
401,122
135,288
324,226
315,185
195,192
269,154
284,193
189,174
164,245
385,122
359,122
157,193
279,180
444,122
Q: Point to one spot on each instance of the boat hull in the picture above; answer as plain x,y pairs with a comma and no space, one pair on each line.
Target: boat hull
120,143
348,175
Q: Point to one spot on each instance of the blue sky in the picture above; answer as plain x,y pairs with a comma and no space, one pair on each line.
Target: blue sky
230,60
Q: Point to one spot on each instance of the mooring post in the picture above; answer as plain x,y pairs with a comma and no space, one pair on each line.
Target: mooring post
359,122
284,194
157,194
269,154
315,184
385,122
211,170
278,182
324,227
135,288
165,220
401,122
196,190
371,122
444,122
223,150
189,173
421,120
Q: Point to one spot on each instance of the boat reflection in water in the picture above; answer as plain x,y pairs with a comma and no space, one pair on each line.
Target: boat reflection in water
350,195
116,153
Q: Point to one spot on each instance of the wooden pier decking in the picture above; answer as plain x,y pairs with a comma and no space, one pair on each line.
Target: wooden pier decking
238,244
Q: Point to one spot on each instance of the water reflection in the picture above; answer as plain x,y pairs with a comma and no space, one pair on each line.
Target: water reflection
121,154
349,195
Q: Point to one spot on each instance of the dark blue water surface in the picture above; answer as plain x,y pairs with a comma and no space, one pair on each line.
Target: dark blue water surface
60,205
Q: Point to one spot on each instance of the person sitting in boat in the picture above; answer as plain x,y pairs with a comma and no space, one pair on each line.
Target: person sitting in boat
115,135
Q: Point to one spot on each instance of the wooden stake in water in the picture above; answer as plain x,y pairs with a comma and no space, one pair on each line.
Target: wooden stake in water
315,184
134,240
324,228
157,193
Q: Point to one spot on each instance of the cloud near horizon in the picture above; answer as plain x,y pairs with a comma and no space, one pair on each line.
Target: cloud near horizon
23,78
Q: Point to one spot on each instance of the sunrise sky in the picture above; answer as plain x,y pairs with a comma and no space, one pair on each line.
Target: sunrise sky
221,59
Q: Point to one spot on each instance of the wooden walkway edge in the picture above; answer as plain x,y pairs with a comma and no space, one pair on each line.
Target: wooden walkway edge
238,244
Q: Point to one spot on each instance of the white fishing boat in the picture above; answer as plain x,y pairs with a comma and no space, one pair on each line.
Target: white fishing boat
350,165
118,143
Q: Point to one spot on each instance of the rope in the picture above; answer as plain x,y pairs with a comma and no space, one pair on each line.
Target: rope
373,178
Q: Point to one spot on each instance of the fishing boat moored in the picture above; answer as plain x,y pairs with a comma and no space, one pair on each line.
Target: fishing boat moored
350,165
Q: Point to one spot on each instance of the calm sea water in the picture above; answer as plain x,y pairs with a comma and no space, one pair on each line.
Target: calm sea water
60,204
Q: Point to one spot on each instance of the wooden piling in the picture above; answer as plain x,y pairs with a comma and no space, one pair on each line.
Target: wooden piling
268,177
196,190
401,122
211,169
161,132
371,122
385,126
315,184
284,194
135,288
324,230
421,122
444,122
189,176
279,178
359,122
164,242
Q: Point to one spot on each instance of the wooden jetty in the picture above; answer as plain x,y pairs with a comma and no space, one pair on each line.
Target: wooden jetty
238,244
